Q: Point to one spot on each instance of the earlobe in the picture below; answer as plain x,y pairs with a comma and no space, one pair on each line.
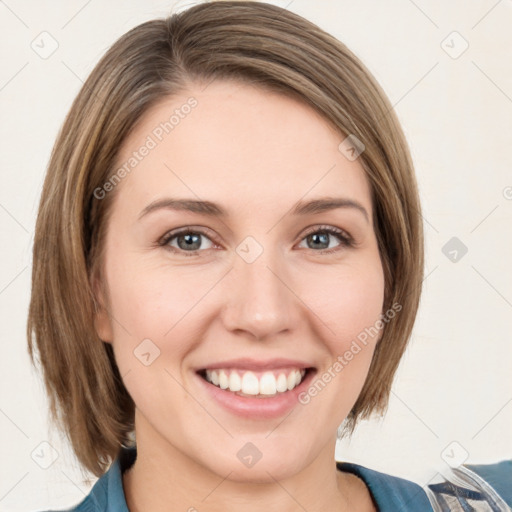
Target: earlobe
102,323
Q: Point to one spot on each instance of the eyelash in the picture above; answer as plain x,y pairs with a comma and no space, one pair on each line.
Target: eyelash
346,241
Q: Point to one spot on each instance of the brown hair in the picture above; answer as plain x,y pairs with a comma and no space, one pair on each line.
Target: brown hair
237,40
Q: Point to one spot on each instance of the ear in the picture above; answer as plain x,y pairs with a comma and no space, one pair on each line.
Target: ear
102,321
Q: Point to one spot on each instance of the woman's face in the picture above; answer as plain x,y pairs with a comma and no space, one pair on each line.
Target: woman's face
253,284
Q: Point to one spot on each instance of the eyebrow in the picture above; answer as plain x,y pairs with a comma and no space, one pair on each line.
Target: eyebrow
215,210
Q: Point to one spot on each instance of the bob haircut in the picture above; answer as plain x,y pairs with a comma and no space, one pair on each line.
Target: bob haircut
245,41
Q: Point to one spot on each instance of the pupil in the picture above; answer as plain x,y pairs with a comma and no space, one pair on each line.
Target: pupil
189,241
323,238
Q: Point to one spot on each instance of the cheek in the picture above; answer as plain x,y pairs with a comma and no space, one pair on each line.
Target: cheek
145,291
151,328
151,302
349,303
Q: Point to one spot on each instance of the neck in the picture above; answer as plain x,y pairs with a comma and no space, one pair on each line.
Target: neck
163,477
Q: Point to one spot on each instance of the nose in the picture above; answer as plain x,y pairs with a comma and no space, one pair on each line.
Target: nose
260,299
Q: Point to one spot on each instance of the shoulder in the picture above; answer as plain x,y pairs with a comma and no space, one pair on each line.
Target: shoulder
481,483
478,484
498,475
98,499
107,494
390,493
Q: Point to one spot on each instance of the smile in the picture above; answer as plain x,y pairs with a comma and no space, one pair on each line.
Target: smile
255,389
255,384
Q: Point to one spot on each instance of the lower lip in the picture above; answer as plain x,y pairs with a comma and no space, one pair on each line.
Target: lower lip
254,408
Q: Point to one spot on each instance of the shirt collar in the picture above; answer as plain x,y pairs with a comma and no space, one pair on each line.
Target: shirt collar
107,494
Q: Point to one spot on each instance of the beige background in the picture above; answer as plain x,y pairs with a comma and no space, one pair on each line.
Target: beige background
456,108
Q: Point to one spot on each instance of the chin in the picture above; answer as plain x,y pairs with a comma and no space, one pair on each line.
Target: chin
258,462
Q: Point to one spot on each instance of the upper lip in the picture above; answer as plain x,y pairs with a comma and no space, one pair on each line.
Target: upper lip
246,363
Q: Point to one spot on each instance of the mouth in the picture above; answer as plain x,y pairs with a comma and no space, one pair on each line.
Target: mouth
256,384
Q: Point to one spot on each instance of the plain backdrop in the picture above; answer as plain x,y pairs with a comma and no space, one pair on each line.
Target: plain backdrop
447,69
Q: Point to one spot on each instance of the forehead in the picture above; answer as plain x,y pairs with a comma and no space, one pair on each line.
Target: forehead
238,145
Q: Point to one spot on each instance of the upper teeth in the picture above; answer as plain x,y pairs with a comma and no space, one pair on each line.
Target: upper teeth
248,382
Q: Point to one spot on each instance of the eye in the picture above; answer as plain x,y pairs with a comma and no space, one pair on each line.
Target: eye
320,236
188,241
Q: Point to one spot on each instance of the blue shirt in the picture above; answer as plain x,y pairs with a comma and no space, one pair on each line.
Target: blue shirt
390,493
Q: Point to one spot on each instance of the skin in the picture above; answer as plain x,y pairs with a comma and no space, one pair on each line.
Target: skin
256,154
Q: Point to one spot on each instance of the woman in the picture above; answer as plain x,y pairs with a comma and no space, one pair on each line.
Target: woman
227,266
